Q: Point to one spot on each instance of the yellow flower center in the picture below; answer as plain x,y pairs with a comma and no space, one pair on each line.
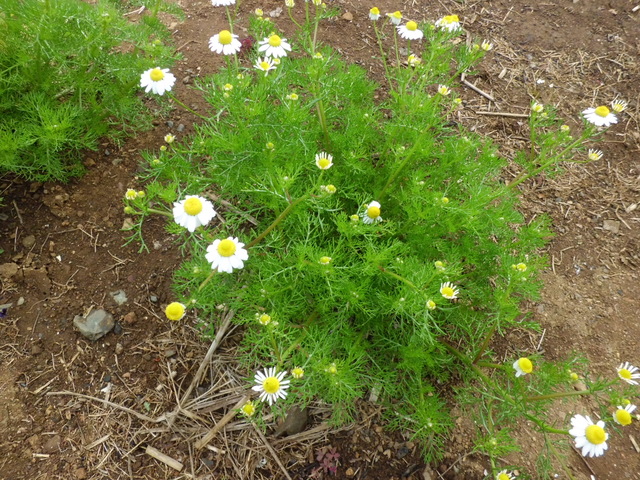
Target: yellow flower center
623,417
156,74
602,111
447,292
271,385
624,373
226,248
275,40
451,19
265,319
324,162
297,372
374,11
264,66
525,365
174,311
325,260
192,206
504,476
595,434
396,14
373,212
224,37
412,26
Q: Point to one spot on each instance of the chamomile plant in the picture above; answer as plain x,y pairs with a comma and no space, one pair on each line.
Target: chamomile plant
365,241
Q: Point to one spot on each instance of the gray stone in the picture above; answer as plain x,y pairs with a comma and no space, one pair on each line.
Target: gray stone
119,296
180,128
96,325
28,241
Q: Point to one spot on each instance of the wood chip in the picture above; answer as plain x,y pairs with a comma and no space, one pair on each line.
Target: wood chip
166,459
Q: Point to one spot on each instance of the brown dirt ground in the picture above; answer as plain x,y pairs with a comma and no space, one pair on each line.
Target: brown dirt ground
64,254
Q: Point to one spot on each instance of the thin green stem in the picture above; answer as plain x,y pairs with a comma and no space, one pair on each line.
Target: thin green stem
489,365
277,221
560,460
173,97
395,174
207,280
303,334
229,19
161,212
293,19
382,54
398,277
485,344
549,396
395,41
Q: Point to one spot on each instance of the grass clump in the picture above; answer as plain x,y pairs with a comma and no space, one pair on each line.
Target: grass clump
69,76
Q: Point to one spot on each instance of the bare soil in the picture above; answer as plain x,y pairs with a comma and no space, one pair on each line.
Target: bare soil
64,254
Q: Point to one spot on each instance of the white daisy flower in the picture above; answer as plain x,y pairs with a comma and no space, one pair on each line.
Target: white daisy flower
395,17
324,260
175,311
157,80
589,436
431,305
537,107
193,212
619,105
623,415
249,409
600,116
271,385
374,14
274,46
223,3
522,366
372,213
324,161
594,155
225,255
414,61
131,194
449,291
449,22
444,90
289,3
486,46
263,319
265,65
410,31
505,475
627,372
225,42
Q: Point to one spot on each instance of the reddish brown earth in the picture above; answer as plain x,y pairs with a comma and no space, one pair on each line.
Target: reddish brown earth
64,254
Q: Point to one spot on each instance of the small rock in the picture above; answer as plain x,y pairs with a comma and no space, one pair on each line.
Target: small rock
294,422
208,463
52,445
119,348
612,225
186,80
275,13
180,128
153,298
348,16
20,301
116,161
80,473
169,123
96,325
350,472
403,451
130,318
119,297
169,352
118,328
36,350
28,241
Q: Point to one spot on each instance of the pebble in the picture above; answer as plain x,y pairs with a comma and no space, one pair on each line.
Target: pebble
52,445
130,318
119,296
96,325
20,301
36,350
180,128
80,473
169,124
117,329
28,241
169,352
119,348
153,298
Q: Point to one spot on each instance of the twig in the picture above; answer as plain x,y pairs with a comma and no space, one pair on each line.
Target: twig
106,402
166,459
635,444
503,114
223,421
583,459
272,451
475,89
15,205
214,345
